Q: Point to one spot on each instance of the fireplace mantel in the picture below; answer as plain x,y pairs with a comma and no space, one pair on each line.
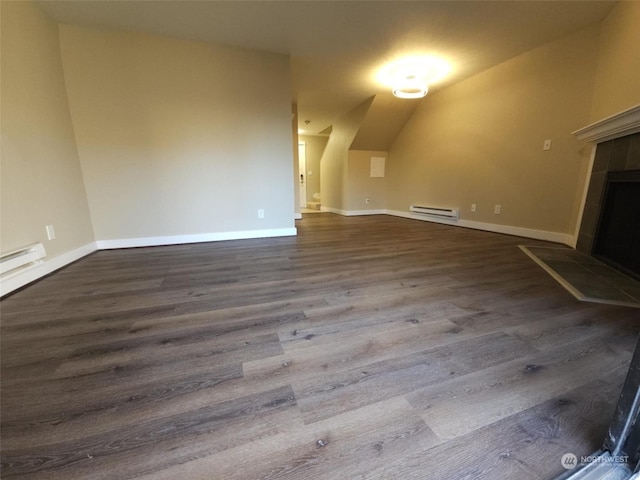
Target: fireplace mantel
624,123
615,141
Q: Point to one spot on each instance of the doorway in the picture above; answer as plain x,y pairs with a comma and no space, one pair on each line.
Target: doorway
302,169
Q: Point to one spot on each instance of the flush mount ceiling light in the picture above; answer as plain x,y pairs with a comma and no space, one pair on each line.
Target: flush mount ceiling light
410,77
410,87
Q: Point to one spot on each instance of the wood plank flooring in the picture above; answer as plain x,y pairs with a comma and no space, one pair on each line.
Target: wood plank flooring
365,348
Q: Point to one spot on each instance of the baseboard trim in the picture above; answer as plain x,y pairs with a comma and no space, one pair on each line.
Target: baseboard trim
28,275
333,210
556,237
366,212
353,213
196,238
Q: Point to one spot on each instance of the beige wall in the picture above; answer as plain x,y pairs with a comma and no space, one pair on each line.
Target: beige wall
315,146
385,118
480,141
360,184
618,78
179,137
41,179
333,175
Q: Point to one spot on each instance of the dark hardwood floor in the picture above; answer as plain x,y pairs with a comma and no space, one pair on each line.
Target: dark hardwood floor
365,348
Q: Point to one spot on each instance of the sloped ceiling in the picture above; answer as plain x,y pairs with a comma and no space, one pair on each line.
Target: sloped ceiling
336,47
384,120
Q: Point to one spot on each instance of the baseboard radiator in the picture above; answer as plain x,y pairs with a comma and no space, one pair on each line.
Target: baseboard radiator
20,259
448,213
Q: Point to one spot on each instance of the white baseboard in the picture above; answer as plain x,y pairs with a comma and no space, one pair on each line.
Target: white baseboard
30,274
196,238
333,210
366,212
556,237
353,213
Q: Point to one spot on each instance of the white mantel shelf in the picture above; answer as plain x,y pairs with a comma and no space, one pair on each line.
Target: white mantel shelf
618,125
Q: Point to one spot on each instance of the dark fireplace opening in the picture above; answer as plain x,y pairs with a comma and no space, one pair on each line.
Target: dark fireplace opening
617,240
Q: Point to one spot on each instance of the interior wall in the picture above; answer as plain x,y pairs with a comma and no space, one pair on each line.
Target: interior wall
333,175
361,186
41,180
481,141
315,146
617,85
179,137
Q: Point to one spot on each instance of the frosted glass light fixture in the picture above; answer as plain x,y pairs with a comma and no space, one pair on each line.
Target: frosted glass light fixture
410,77
410,87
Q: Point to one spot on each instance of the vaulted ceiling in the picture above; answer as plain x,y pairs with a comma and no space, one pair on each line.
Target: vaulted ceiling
337,47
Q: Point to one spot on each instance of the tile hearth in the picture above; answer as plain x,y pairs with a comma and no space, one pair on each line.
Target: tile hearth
586,278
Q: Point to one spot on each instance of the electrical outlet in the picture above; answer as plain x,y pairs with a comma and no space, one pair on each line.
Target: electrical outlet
260,213
51,233
473,207
497,209
547,144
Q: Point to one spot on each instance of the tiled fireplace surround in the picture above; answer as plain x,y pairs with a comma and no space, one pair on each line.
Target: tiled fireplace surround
617,148
617,155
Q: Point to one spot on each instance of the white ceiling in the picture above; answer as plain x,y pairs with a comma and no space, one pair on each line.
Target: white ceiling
336,47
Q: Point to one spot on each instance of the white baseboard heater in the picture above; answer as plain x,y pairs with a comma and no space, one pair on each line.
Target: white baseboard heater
21,258
449,213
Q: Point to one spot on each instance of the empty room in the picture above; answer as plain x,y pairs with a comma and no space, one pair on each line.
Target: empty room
319,240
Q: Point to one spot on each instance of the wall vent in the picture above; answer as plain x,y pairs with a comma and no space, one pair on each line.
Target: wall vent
450,213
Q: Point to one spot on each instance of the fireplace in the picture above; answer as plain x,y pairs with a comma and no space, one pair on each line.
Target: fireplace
617,238
612,202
